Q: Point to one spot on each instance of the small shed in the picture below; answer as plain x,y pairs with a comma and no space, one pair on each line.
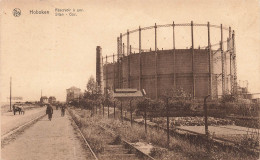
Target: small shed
127,94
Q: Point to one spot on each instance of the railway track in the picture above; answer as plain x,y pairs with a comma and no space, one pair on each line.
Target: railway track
126,144
83,137
115,147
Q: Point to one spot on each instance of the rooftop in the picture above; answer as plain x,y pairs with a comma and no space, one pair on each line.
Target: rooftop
73,88
127,93
44,97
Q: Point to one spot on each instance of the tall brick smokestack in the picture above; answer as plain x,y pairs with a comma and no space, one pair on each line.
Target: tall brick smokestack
99,69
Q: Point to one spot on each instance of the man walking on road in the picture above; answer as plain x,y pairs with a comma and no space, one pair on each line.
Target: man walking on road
62,110
49,111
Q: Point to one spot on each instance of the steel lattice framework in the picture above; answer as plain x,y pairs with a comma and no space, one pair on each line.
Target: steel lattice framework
230,53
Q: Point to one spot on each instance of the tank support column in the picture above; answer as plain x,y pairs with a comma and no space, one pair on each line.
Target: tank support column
174,55
140,60
210,69
156,74
192,50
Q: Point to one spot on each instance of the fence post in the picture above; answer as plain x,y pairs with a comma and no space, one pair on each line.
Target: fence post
100,108
167,114
121,111
145,124
114,109
103,108
108,110
206,116
92,110
96,108
131,112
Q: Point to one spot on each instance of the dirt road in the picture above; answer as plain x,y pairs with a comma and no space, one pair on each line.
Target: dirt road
9,121
48,140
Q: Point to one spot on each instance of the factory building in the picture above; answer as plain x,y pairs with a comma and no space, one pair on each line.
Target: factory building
73,93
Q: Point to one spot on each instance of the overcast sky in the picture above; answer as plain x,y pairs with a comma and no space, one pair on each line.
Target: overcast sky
54,53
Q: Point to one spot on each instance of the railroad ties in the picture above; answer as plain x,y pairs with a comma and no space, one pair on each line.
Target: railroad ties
115,148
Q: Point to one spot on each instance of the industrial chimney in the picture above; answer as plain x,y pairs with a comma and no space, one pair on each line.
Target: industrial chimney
99,69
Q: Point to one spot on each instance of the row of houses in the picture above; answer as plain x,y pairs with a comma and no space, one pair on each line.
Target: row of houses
73,93
45,99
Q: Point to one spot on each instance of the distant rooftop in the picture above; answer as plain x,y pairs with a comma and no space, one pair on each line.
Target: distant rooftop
44,97
52,97
73,88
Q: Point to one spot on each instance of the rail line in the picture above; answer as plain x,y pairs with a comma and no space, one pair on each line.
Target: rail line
121,150
86,142
144,155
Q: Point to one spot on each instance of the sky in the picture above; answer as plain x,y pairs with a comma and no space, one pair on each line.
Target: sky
52,53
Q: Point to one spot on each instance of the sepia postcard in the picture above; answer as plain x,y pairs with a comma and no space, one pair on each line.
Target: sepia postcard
130,79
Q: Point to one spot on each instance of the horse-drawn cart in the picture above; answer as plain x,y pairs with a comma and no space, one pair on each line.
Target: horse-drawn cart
18,108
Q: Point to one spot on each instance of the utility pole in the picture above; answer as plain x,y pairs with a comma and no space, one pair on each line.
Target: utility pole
10,93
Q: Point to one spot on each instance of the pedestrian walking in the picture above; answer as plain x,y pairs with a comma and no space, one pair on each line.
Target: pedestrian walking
49,111
14,109
62,111
22,110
